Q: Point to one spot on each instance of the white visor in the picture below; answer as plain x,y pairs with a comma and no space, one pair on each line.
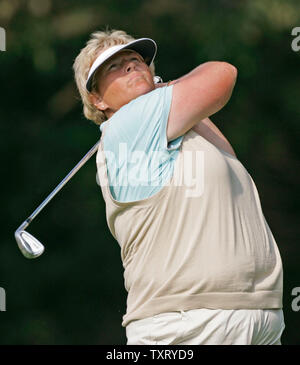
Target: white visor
146,47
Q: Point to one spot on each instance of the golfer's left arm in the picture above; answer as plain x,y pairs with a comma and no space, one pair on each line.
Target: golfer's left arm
207,129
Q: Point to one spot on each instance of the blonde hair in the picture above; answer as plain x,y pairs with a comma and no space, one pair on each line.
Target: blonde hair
98,42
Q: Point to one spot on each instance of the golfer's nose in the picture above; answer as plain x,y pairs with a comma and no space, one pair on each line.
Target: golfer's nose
130,67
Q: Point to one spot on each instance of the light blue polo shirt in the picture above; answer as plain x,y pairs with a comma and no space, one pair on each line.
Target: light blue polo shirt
139,159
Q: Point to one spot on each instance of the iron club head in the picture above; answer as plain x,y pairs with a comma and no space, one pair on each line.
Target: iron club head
29,245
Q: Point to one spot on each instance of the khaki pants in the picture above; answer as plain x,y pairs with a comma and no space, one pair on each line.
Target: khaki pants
209,327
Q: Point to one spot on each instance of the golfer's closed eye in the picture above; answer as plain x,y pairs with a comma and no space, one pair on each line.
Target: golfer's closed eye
136,59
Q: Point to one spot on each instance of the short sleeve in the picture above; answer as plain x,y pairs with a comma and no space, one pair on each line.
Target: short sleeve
142,123
139,158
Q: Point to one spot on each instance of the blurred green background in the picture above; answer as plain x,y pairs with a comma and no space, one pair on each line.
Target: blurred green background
73,293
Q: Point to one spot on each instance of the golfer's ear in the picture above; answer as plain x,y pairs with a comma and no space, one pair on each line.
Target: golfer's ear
98,102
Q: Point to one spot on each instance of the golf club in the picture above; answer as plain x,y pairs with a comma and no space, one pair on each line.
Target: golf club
28,244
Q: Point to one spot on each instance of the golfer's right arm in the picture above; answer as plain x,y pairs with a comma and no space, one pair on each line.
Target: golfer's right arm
198,95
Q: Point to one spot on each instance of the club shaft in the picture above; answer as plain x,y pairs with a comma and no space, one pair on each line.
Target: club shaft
60,185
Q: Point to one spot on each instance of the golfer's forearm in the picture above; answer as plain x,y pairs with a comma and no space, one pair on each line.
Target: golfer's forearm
207,129
206,124
205,90
190,74
202,68
207,121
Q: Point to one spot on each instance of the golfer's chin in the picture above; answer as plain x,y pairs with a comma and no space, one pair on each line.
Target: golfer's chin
141,87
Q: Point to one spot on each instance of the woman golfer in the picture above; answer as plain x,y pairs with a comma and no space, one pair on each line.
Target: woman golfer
201,265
